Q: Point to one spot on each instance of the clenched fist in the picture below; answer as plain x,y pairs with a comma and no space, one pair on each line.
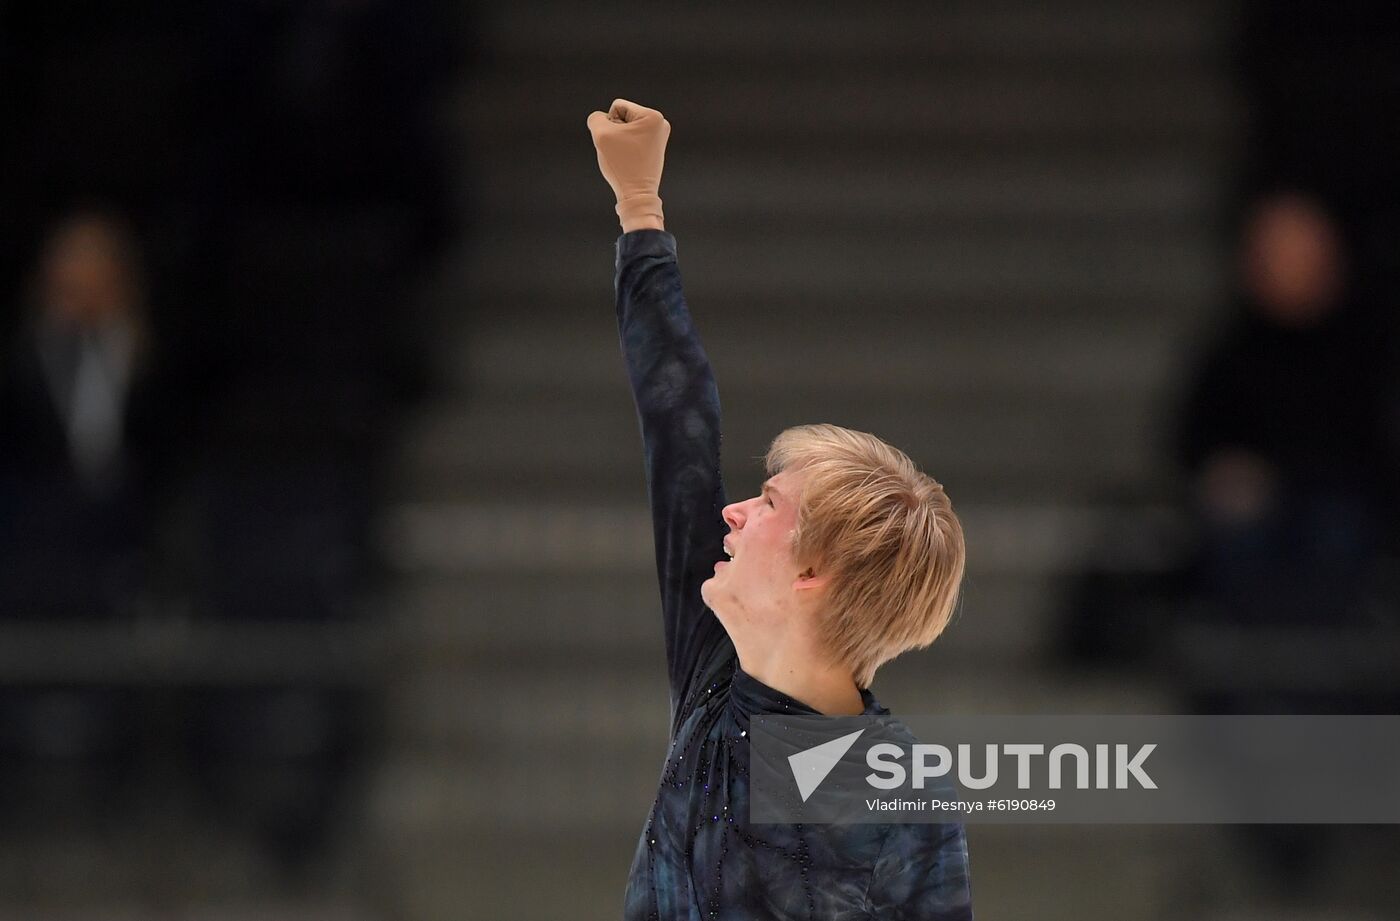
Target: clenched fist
631,143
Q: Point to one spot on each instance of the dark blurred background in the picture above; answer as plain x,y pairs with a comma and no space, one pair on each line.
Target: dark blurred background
325,568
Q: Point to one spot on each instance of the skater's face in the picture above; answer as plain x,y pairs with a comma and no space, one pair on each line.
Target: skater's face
761,583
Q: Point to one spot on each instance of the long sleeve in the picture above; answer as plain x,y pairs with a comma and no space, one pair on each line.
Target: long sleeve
678,408
922,875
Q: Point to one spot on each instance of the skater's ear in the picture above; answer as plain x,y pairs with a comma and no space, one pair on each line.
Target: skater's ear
809,581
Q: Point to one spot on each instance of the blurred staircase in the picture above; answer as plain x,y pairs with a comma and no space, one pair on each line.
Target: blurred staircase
981,231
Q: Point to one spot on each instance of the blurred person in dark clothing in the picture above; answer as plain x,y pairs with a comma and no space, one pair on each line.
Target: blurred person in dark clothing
1285,440
285,165
1283,432
82,426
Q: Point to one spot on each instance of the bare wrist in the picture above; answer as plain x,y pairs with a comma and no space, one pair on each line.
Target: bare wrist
641,212
646,223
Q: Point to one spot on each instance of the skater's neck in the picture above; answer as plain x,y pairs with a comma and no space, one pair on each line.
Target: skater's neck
801,675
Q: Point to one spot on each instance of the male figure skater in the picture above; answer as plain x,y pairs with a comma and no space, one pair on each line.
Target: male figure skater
849,557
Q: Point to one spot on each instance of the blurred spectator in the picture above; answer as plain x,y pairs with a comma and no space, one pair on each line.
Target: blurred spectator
284,163
81,432
1283,433
82,420
1284,438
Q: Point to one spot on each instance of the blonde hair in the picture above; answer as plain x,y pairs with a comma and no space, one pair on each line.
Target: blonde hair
886,534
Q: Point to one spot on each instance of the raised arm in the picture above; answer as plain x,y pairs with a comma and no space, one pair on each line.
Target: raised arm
676,398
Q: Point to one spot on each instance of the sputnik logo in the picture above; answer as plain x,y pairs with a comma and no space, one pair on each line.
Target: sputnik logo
810,768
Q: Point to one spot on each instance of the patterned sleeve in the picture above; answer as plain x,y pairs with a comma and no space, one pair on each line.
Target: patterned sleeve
678,408
922,875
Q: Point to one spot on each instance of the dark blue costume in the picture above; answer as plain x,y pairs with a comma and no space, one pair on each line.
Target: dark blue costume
699,857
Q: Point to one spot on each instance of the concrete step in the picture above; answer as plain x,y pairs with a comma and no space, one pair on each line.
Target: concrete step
466,312
1141,191
486,874
924,358
790,34
1144,872
258,907
1007,481
749,263
556,792
171,858
923,105
1057,456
